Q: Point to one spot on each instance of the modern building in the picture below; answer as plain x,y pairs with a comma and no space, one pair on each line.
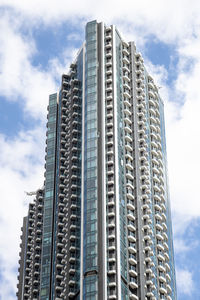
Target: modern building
101,226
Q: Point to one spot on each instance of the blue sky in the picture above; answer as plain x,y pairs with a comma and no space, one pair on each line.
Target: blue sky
38,41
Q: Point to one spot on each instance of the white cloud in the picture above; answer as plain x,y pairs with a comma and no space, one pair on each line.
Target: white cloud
183,246
170,21
21,164
180,246
18,77
57,66
184,281
184,142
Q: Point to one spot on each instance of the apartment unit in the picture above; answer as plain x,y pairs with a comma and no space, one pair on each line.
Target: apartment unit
101,226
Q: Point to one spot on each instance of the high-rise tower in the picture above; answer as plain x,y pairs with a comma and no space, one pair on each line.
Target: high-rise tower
101,226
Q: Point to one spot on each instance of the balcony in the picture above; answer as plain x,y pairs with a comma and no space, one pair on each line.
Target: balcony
125,51
126,78
111,235
125,59
159,226
128,146
133,296
127,111
161,257
112,297
73,226
110,170
130,215
160,246
130,204
111,247
108,45
59,255
109,71
58,266
166,246
111,271
152,102
59,277
111,213
72,237
73,205
131,248
131,236
109,88
167,266
111,224
111,191
71,294
158,120
109,132
72,248
71,271
153,119
132,271
128,137
166,256
164,216
165,236
163,290
128,128
125,68
129,165
73,217
109,123
146,216
158,216
108,54
132,260
168,277
111,202
157,207
133,283
147,236
161,267
110,142
72,282
110,151
128,155
112,284
131,226
111,258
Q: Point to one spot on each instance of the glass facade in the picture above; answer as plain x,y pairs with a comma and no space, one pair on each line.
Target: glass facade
46,270
90,164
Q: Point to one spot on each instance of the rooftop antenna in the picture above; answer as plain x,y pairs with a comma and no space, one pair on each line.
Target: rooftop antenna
33,192
30,193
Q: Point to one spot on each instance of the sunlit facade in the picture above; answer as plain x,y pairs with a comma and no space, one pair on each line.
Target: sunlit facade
104,226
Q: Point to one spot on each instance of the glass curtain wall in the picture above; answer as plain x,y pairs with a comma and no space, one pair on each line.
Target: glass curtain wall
49,199
90,163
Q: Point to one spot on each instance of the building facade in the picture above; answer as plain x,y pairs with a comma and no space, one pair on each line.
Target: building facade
101,226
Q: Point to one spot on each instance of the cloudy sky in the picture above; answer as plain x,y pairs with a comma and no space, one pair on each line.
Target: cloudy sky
38,39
